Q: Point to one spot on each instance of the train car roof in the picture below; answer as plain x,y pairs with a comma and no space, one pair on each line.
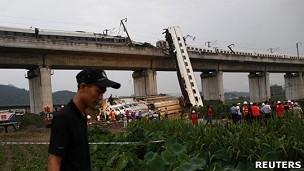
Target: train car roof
59,32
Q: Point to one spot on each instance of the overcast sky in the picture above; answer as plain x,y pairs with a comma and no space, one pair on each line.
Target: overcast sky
252,25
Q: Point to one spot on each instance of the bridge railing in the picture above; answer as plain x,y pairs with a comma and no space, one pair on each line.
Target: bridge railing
239,53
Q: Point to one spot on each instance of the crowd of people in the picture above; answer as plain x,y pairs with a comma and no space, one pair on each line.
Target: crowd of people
262,112
238,112
249,112
112,116
129,115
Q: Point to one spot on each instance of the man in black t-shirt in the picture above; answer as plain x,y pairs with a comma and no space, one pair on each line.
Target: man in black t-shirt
69,149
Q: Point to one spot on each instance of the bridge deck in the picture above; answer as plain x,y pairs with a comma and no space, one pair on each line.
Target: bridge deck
21,49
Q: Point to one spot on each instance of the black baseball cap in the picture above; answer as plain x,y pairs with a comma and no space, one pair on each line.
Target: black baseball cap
97,77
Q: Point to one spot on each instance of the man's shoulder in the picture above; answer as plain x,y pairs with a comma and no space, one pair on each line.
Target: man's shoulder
65,112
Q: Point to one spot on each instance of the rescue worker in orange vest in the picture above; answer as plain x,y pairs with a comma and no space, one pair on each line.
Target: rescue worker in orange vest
245,111
47,109
112,116
209,115
280,110
194,118
48,116
256,113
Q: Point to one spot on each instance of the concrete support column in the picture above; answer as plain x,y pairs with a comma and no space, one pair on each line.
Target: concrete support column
259,87
294,86
212,85
40,89
145,82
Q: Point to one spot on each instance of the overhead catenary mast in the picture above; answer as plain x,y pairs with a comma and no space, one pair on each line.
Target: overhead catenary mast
178,50
125,29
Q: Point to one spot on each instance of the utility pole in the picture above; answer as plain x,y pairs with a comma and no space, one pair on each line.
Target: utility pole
189,36
125,29
270,50
36,33
105,31
208,44
229,46
297,45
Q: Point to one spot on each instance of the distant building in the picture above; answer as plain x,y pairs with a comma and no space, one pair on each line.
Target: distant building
236,95
277,92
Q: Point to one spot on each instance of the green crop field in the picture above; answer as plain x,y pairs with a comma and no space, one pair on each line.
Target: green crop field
222,146
23,157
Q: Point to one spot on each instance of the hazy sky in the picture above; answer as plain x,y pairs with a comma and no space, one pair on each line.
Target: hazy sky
252,25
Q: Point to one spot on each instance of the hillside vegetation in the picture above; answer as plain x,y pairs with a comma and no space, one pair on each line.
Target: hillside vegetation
14,96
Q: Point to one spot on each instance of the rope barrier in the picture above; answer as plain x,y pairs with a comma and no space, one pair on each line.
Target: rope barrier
90,143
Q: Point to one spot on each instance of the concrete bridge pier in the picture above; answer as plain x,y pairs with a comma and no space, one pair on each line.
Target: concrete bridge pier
145,82
212,85
259,87
294,86
40,89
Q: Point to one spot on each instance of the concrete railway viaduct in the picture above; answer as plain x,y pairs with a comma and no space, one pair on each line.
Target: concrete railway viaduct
40,51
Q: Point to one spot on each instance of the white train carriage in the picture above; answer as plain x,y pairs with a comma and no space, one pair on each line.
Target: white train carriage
7,119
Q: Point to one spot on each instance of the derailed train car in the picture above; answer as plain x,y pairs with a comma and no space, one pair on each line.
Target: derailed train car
8,119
